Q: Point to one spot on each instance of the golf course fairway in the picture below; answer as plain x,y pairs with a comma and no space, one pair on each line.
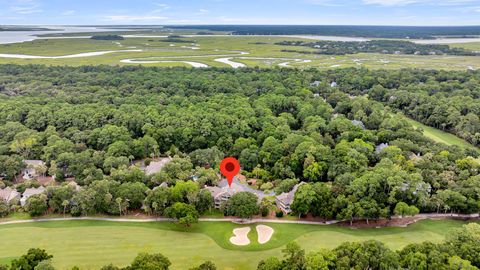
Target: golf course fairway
93,244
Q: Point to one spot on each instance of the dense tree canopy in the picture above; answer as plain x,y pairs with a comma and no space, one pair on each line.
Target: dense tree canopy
360,157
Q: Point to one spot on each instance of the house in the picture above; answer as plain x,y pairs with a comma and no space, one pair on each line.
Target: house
333,84
285,200
33,169
9,195
163,185
315,83
380,147
29,192
220,195
223,191
358,124
156,166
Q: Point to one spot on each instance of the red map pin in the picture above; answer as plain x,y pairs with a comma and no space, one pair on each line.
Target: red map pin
229,168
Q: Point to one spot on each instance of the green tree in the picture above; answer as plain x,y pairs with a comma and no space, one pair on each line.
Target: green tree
145,261
37,205
157,200
367,255
208,265
135,193
45,265
320,260
242,204
304,198
4,208
465,242
185,214
204,201
30,260
294,256
403,209
272,263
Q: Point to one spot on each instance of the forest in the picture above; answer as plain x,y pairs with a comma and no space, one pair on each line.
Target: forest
359,157
376,46
107,37
374,31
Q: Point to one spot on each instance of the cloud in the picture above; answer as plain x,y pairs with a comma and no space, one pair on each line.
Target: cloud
390,3
133,18
161,7
68,12
26,7
202,11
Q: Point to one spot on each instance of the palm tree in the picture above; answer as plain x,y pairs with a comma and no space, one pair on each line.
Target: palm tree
65,203
119,202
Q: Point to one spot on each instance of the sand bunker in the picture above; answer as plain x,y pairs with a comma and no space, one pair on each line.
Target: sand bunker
241,236
264,233
89,54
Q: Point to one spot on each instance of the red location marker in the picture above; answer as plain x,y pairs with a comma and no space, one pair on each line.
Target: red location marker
229,168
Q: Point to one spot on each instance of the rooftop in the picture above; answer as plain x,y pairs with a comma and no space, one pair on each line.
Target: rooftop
33,191
8,194
156,165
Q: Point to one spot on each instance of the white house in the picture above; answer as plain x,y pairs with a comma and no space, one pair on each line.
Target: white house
29,192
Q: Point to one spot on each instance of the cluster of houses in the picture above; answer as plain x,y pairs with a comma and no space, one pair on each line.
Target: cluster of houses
36,169
13,197
222,193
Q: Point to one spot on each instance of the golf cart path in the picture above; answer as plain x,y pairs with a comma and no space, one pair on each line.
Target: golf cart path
235,220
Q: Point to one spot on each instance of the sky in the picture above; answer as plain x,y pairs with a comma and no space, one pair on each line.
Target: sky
173,12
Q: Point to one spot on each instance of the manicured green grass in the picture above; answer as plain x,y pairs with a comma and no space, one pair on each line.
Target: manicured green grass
91,244
263,47
441,136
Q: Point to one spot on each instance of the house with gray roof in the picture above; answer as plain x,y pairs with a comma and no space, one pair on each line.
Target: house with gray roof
315,83
156,166
358,123
32,168
223,192
380,147
9,195
285,200
29,192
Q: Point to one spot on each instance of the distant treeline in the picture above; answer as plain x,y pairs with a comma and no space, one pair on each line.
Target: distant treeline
420,32
107,37
177,40
20,28
376,46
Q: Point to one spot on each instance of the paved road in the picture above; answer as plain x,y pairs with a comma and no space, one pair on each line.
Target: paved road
236,220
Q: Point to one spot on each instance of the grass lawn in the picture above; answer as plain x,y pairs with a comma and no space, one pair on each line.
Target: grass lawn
257,47
92,244
441,136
